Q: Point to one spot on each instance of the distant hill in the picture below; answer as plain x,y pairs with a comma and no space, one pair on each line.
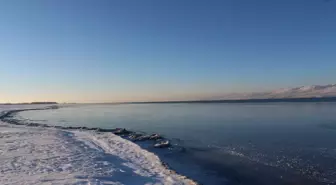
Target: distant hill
313,91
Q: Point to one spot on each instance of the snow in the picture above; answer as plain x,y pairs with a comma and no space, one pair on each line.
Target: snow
296,92
283,90
31,155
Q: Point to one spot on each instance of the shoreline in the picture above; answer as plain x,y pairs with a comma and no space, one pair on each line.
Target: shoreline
7,117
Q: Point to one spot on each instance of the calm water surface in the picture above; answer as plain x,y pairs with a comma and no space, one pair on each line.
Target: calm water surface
256,143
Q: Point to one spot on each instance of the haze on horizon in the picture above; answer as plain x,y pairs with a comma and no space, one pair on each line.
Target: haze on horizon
112,51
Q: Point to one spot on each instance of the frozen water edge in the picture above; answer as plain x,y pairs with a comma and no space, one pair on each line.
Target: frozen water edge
49,156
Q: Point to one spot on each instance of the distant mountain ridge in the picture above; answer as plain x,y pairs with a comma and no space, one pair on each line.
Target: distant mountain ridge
296,92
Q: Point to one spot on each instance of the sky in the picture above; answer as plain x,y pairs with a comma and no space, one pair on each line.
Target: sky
148,50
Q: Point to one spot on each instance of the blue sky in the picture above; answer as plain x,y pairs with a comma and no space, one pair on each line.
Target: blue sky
120,50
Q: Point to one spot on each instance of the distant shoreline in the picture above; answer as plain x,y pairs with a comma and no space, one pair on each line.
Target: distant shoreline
31,103
268,100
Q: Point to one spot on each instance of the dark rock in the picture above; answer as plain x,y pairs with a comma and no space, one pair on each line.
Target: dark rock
140,137
121,131
134,137
155,137
162,144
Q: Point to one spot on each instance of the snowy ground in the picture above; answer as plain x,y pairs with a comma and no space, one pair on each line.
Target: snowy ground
49,156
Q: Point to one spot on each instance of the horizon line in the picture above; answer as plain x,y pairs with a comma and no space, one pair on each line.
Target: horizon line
248,100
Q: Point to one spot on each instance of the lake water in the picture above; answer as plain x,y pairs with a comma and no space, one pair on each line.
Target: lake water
225,143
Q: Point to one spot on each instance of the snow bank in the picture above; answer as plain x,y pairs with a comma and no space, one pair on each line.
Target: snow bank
50,156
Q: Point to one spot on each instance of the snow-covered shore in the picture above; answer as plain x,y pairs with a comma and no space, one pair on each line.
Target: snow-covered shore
36,155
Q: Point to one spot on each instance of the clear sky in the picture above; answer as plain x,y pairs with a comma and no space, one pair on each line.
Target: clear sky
131,50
